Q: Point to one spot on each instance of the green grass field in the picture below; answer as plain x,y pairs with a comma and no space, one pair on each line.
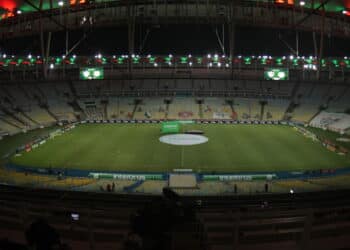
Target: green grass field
136,147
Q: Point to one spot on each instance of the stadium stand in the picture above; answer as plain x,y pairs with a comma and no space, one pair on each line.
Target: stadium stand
337,122
102,221
43,181
216,108
43,104
183,108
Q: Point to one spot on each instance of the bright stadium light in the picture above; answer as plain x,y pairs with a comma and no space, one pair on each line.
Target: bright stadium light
281,74
302,3
60,3
97,73
52,66
86,73
19,12
270,74
346,12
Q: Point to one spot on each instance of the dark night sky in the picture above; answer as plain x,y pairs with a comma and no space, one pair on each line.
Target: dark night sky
179,39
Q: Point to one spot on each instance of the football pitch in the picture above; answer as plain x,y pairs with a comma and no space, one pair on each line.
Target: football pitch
136,148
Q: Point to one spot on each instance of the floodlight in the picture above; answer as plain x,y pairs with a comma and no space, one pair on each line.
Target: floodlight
281,74
86,73
97,73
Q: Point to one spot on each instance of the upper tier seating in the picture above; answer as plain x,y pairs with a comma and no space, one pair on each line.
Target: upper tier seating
31,105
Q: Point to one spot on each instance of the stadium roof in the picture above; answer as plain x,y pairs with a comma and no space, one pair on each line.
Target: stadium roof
26,6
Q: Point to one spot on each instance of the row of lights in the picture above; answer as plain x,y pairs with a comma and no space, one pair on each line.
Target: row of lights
209,56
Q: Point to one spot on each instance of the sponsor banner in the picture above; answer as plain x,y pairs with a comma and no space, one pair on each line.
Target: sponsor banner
221,115
132,177
186,122
185,114
55,133
239,177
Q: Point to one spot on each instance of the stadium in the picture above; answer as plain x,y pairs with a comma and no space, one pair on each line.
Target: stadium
174,124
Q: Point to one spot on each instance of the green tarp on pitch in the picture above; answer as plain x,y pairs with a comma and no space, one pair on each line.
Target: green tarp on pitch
170,127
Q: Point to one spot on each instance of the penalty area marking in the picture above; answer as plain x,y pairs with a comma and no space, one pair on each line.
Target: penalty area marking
183,139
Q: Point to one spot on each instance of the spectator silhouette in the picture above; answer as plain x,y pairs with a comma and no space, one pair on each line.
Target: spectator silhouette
41,236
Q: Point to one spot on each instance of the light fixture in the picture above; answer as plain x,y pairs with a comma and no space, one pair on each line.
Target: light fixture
86,73
97,73
302,3
346,12
60,3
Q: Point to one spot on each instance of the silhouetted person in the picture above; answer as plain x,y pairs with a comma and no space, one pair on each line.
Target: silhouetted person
41,236
266,187
132,242
160,216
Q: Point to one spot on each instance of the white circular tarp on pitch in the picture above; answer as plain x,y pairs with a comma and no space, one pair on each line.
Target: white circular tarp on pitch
183,139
